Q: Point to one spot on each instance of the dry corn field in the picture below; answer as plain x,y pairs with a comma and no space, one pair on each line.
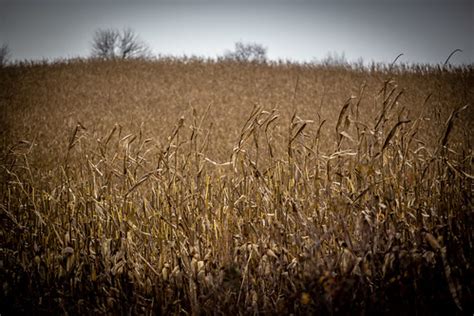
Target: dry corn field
188,186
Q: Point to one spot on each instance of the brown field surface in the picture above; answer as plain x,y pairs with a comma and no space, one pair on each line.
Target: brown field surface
185,186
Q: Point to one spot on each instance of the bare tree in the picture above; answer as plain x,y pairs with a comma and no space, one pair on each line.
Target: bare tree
4,55
131,46
112,43
251,52
104,43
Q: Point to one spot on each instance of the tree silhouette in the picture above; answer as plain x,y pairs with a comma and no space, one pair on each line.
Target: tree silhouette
4,55
250,52
113,43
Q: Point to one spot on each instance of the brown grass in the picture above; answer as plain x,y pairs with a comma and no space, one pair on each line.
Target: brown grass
190,186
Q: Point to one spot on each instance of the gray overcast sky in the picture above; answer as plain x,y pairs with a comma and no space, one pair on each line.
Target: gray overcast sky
425,31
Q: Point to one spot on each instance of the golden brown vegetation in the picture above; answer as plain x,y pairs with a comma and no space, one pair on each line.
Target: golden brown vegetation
191,186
